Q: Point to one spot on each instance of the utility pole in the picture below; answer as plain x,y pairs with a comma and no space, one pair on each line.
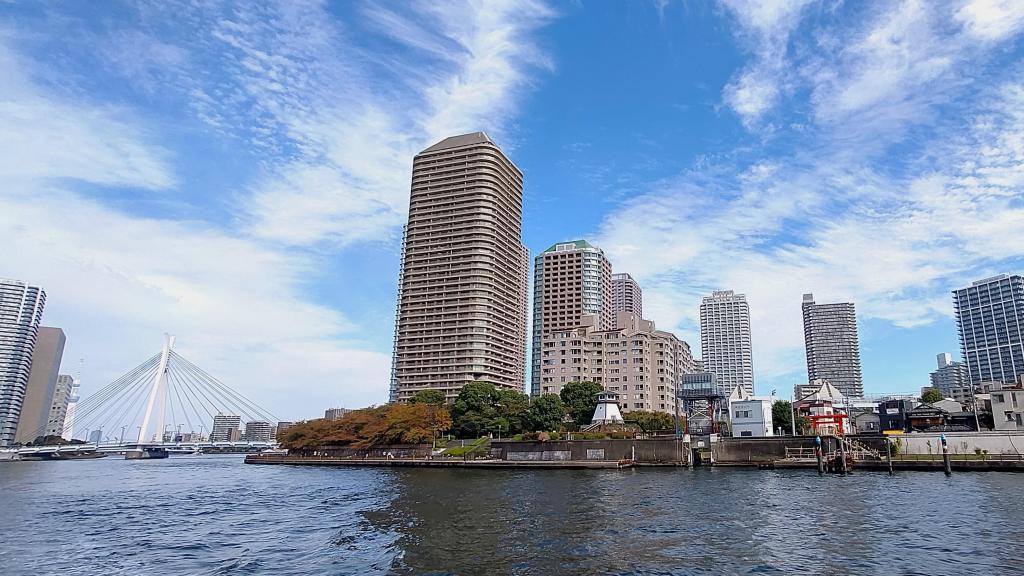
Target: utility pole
792,414
974,401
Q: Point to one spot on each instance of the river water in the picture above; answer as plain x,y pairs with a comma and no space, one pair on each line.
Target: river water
216,515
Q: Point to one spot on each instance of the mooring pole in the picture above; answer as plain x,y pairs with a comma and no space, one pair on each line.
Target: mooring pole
945,455
817,453
842,454
888,453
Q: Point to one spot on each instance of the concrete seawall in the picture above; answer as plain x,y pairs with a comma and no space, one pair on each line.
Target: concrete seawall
917,452
429,463
664,451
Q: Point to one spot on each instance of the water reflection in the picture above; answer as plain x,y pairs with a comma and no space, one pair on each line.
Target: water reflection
212,515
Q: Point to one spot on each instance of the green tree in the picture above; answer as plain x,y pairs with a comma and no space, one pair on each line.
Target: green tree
432,397
474,411
580,399
649,421
513,412
782,416
546,413
931,396
803,425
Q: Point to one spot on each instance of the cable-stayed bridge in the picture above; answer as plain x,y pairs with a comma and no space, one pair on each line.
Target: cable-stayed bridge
144,412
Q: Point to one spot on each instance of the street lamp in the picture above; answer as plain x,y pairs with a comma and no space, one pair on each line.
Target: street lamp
122,434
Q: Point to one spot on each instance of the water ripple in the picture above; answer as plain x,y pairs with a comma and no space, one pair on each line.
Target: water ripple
212,515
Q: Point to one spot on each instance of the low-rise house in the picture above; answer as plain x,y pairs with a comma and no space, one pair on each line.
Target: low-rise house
892,414
750,415
866,422
941,416
1007,406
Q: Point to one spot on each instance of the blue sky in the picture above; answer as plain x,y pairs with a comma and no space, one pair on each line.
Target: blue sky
238,175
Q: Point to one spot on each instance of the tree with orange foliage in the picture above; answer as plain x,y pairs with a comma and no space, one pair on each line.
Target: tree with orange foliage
378,425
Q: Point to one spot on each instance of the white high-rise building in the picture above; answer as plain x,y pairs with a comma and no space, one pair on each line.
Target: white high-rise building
21,311
62,395
69,417
225,428
725,343
951,378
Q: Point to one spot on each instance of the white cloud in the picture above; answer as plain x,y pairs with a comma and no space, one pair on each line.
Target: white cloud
883,69
117,281
991,19
339,124
837,217
335,127
765,28
43,137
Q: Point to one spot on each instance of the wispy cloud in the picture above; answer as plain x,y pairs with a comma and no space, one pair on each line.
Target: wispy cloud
765,29
331,125
337,121
830,216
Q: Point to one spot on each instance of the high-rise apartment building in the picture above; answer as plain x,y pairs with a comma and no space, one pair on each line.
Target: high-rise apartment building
21,311
59,406
225,428
462,307
951,378
833,349
258,431
990,319
725,345
644,366
42,384
335,413
570,280
626,295
69,416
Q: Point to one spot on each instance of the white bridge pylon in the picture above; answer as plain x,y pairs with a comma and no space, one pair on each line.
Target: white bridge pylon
157,396
165,397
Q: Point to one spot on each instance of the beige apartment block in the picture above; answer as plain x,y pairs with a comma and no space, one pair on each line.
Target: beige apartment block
641,364
463,278
571,280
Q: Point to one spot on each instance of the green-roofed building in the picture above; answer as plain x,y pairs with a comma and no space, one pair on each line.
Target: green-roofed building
571,280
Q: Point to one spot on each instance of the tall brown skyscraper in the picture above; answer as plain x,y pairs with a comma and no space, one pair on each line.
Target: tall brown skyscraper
463,281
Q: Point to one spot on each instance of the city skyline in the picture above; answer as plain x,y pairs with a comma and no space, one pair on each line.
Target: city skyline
163,174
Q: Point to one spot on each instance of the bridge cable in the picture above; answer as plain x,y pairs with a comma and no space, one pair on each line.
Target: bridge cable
229,404
258,411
